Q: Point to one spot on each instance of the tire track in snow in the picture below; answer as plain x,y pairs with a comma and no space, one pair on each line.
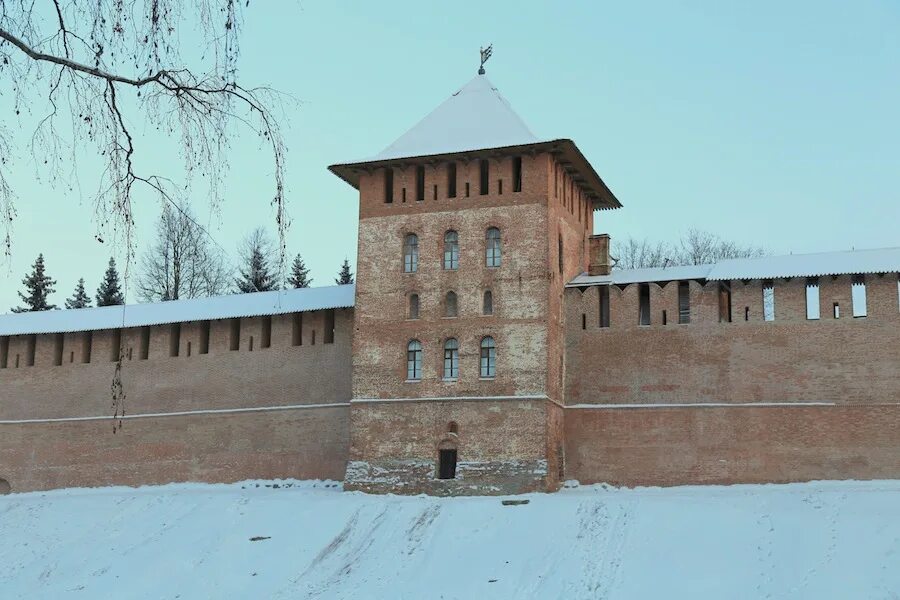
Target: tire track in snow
420,527
602,526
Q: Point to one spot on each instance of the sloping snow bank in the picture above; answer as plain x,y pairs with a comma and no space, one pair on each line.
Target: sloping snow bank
817,540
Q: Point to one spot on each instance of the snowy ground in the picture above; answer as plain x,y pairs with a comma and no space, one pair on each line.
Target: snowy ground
819,540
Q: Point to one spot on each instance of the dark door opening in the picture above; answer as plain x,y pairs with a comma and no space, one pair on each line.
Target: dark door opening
447,467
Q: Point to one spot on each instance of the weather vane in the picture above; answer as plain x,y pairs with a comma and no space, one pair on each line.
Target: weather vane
485,55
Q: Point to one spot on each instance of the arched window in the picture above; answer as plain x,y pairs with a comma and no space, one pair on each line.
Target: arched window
487,307
450,305
411,253
414,360
492,251
451,250
488,357
413,306
451,359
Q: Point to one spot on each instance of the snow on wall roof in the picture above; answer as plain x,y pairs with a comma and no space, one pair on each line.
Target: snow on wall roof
178,311
848,262
473,118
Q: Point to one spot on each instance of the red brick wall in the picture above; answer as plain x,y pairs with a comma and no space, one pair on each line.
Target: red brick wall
851,363
42,454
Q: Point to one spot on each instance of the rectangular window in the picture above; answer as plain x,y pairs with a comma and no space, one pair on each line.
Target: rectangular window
235,337
388,185
329,326
204,337
499,187
467,189
604,306
435,191
265,338
836,310
403,194
58,344
4,352
115,346
768,297
517,174
484,177
145,343
684,302
31,350
420,184
297,330
451,180
644,304
174,339
812,299
858,295
87,340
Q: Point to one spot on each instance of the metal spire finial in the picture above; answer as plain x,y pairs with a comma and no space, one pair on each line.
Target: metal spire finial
485,55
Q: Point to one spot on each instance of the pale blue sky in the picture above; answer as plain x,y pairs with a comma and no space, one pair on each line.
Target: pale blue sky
770,123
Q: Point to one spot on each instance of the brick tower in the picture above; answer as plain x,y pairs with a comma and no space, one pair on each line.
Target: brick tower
469,227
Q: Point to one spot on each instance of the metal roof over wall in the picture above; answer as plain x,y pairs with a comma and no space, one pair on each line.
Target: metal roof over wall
848,262
179,311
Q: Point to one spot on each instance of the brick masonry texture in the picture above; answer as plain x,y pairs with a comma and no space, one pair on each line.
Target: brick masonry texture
660,404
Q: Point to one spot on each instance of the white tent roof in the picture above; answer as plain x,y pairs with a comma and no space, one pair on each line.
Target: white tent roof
178,311
848,262
475,117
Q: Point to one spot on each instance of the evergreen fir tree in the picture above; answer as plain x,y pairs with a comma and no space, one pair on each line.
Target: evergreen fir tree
79,299
39,287
110,291
256,276
345,276
299,277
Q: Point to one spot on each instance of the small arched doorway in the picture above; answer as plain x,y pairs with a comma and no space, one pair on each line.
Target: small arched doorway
5,488
447,455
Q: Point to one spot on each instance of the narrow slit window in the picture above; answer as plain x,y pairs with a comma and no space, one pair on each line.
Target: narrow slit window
30,350
451,251
467,189
836,310
411,253
58,344
451,180
488,358
451,359
250,344
188,348
145,343
724,303
329,326
813,312
604,306
684,302
746,313
435,192
403,195
493,249
584,320
858,295
517,174
499,187
414,360
768,297
115,346
204,337
644,304
665,318
420,184
312,338
4,352
484,177
297,330
87,341
487,307
234,343
388,185
559,252
265,338
174,339
413,312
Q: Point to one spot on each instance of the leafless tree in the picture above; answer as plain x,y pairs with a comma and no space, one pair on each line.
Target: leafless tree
101,66
182,262
695,247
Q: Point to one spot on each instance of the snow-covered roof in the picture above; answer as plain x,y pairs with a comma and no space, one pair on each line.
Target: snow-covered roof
848,262
178,311
476,118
